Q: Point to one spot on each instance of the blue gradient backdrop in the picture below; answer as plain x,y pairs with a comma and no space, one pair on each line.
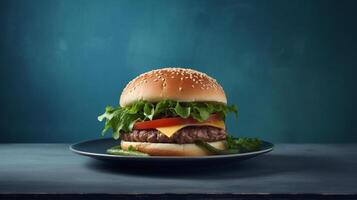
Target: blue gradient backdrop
289,65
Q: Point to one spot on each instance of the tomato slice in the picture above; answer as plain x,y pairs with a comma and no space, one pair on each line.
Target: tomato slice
164,122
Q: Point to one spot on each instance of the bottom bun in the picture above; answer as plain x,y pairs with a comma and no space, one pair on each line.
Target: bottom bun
171,149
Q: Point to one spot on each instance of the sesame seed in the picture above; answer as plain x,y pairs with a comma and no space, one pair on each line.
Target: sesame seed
199,79
181,78
180,88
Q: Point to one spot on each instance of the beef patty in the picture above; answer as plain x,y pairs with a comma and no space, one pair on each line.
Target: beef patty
183,136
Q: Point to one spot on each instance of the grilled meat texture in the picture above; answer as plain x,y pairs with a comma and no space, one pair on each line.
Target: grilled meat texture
186,135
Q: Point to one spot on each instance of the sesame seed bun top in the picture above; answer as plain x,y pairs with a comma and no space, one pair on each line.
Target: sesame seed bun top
179,84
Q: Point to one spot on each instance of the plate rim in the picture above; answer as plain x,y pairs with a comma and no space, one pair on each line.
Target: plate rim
103,155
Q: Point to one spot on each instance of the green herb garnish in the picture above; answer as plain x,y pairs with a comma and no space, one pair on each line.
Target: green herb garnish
233,146
117,150
243,144
214,150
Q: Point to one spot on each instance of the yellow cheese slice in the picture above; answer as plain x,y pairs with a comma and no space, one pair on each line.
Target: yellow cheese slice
170,130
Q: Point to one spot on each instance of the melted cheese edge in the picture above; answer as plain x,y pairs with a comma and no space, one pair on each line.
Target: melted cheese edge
170,130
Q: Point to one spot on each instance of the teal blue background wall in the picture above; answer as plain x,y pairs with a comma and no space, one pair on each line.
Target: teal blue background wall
289,65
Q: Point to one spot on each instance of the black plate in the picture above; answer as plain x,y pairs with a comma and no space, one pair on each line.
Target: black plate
97,149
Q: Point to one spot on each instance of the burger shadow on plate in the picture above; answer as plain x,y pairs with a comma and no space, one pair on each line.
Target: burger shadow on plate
265,165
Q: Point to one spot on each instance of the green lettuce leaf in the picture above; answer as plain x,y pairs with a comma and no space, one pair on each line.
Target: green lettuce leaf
122,119
149,110
183,112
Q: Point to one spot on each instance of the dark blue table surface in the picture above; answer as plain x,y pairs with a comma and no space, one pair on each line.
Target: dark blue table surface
289,169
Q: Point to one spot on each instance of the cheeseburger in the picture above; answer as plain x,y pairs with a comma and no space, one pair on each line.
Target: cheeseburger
165,112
